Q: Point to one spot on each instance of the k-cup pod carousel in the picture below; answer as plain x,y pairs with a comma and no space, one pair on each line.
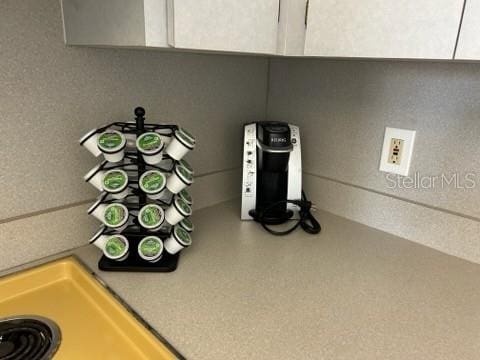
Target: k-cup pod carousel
144,204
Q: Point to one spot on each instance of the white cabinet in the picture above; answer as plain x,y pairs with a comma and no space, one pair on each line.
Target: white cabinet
212,25
412,29
291,27
141,23
421,29
468,47
224,25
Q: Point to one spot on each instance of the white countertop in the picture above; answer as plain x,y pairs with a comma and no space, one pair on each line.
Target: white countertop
351,292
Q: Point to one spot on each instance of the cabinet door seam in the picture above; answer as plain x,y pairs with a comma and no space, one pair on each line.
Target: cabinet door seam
459,29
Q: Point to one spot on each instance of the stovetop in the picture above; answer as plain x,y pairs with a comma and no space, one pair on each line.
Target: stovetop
64,296
28,338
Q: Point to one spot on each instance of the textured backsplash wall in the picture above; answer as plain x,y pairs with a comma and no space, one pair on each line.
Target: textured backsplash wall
50,95
343,107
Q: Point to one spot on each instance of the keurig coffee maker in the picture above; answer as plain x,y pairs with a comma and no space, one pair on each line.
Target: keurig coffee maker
272,177
272,171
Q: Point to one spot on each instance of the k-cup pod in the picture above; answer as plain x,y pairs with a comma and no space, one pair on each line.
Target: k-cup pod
153,182
185,196
179,179
150,144
99,233
114,247
178,240
165,135
187,225
115,182
115,216
179,145
186,165
89,142
94,176
150,248
151,217
97,209
131,141
177,211
112,144
187,134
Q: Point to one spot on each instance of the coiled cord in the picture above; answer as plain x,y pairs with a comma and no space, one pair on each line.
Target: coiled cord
307,221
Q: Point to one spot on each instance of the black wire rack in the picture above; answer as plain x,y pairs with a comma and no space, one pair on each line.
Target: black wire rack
134,165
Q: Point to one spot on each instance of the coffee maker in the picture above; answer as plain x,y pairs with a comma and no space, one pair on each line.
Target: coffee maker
272,172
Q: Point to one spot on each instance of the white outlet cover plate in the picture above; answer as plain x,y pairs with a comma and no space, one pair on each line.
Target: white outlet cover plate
408,136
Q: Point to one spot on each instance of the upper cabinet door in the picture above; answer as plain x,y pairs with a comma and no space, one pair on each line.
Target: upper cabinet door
224,25
291,27
468,47
136,23
416,29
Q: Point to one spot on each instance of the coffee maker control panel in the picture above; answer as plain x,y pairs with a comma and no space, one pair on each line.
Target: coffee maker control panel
295,168
249,180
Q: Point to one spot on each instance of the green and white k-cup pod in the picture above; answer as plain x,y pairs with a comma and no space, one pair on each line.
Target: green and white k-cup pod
178,240
153,182
112,144
187,225
150,248
150,144
187,134
177,211
115,182
179,145
179,179
165,135
114,247
89,142
186,165
97,209
95,175
115,216
151,217
185,196
98,234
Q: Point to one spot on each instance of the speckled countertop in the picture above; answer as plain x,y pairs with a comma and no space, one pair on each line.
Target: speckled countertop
351,292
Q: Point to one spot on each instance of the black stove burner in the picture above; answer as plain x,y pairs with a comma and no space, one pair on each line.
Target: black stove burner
28,338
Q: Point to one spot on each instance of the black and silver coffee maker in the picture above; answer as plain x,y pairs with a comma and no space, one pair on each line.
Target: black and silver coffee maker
272,172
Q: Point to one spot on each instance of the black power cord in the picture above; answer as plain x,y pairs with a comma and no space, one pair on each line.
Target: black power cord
307,221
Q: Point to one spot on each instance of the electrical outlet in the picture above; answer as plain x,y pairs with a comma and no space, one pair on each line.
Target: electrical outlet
397,151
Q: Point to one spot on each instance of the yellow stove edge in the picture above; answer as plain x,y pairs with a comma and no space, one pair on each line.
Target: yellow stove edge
93,323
